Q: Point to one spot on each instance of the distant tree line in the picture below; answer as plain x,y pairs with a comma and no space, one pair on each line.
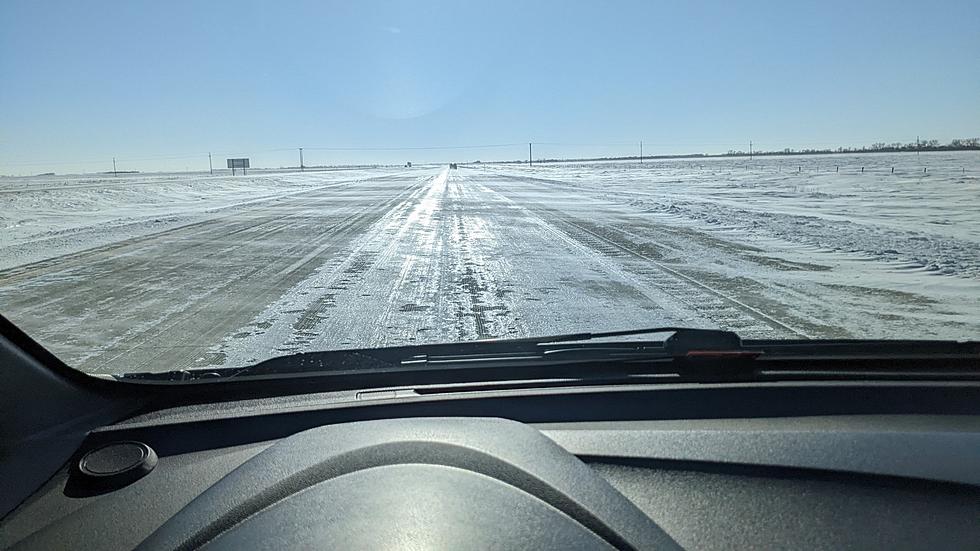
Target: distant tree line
961,144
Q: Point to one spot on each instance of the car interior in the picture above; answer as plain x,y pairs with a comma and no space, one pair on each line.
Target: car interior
551,463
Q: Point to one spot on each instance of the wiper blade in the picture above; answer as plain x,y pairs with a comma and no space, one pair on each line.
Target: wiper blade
534,351
690,353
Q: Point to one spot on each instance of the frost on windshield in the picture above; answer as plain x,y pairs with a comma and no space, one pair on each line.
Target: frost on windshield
172,271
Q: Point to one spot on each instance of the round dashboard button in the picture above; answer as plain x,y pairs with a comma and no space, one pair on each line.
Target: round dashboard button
118,463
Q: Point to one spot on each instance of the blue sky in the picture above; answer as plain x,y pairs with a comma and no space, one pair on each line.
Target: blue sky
159,84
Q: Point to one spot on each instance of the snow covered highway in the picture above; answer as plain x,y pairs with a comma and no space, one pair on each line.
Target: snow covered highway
276,263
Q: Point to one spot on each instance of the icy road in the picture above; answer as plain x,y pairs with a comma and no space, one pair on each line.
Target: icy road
152,273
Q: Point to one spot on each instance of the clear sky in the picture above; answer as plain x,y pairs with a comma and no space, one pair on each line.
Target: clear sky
158,84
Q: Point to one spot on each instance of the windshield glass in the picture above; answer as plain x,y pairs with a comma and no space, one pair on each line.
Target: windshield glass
196,185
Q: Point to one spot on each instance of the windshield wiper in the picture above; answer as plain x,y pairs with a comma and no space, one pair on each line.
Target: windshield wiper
531,351
690,354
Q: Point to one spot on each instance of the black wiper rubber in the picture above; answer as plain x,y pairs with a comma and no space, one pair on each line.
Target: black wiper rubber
692,354
526,352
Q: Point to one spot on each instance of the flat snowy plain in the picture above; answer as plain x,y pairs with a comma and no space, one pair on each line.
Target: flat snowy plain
154,272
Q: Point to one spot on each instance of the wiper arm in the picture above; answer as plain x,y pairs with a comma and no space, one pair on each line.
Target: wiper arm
575,347
526,352
690,354
683,341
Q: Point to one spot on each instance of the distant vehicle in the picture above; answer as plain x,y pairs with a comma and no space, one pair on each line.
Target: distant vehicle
408,164
452,166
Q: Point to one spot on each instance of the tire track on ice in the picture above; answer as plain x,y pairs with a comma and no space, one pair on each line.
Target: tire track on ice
703,299
271,281
294,322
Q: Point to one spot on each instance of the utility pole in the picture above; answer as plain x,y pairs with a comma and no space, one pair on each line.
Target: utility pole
210,166
530,158
641,151
301,167
113,166
750,150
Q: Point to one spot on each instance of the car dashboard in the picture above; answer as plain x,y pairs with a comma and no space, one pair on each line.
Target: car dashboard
624,467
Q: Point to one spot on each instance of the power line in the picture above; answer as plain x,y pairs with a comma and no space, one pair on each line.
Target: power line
252,151
415,148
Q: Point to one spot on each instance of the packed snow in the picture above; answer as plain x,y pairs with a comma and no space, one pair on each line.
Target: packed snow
172,271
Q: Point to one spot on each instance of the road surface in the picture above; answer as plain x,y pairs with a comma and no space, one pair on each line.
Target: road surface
429,255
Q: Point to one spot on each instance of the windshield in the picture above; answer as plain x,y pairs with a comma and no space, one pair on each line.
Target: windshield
196,185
